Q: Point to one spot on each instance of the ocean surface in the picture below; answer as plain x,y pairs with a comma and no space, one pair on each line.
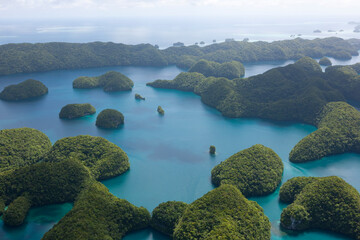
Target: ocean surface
166,31
168,154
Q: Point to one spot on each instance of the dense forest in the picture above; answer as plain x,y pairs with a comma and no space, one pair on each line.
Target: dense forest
25,90
327,203
75,110
255,171
26,57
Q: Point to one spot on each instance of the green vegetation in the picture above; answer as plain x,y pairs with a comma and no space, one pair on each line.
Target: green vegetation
324,61
71,111
338,132
17,211
165,216
22,146
296,92
254,171
67,175
25,57
109,118
228,70
185,81
160,110
327,203
24,90
103,158
139,97
111,81
212,149
223,213
97,214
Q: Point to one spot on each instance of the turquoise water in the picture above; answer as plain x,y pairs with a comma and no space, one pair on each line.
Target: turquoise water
168,154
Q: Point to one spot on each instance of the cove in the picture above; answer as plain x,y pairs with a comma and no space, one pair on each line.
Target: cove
168,154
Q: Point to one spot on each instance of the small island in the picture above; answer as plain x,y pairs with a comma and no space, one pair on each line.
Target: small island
71,111
109,160
165,216
110,82
223,213
160,110
228,70
109,118
325,62
25,90
317,31
327,203
212,150
255,171
22,147
139,97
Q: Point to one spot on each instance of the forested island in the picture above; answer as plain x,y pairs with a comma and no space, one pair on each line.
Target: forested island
111,82
255,171
297,92
228,70
25,90
71,111
109,118
40,57
223,213
327,203
69,174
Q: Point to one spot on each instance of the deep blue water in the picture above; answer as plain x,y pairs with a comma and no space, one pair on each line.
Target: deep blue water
168,154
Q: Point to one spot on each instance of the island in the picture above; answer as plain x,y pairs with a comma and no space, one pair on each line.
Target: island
228,70
160,110
317,31
27,89
68,179
296,92
324,61
40,57
109,160
139,97
71,111
338,132
22,147
255,171
212,150
110,82
326,203
223,213
165,216
109,118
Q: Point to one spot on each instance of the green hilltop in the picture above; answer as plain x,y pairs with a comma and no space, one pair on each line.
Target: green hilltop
111,82
254,171
25,90
327,203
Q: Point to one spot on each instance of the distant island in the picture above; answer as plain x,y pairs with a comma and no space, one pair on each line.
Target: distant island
71,111
324,61
25,90
327,203
40,57
228,70
109,118
255,171
111,82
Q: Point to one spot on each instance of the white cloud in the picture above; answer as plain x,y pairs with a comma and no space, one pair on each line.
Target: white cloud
83,8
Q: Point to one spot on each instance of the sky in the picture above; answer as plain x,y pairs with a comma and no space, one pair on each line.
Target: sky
10,9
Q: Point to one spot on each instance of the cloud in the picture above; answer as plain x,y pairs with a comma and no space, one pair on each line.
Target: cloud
168,7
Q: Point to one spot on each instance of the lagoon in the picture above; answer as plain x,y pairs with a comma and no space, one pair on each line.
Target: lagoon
168,154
